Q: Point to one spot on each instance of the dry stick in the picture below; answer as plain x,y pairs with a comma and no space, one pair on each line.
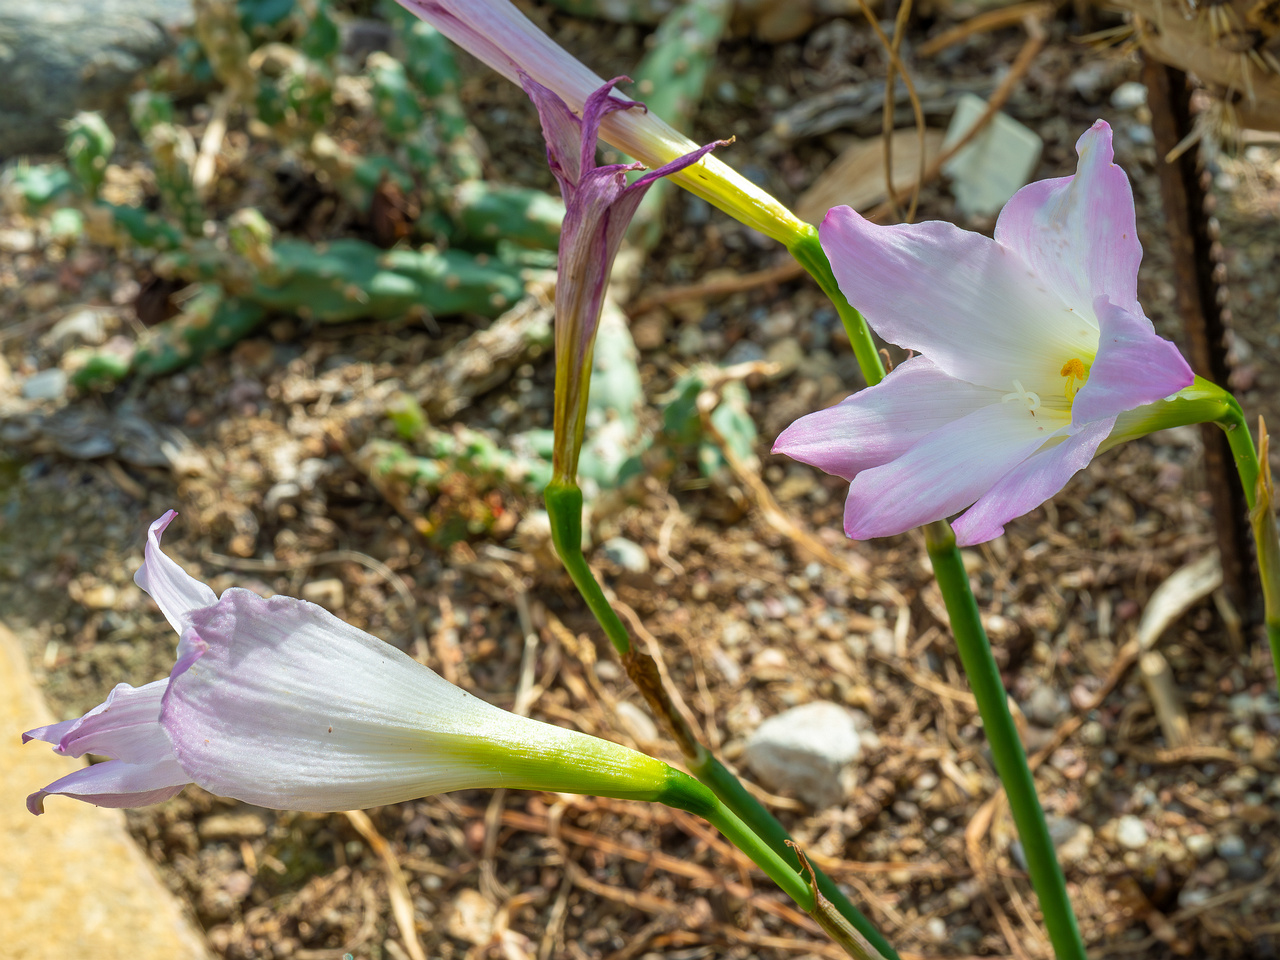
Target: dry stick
720,287
1021,64
792,270
397,888
983,23
895,62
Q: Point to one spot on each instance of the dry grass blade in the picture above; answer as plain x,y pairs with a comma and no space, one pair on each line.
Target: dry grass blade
397,887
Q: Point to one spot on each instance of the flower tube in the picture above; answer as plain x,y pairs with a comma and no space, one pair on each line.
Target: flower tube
279,703
1032,346
498,34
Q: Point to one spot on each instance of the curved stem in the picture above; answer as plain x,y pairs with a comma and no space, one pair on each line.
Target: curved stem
1006,748
808,252
686,793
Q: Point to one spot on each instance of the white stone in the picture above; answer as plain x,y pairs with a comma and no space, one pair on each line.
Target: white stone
1130,833
808,752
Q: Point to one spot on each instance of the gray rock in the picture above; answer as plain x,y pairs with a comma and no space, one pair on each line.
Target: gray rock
1230,846
60,58
46,385
1046,706
1199,845
1131,833
627,554
807,751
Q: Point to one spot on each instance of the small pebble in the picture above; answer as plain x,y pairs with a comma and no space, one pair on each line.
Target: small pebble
46,385
1199,845
1230,846
1130,833
1129,96
627,554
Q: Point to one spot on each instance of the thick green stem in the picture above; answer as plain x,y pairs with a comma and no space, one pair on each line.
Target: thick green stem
1006,749
735,796
1254,467
1241,442
686,793
564,507
808,252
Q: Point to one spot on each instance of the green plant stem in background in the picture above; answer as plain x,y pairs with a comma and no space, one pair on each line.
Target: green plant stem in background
1233,424
808,252
1006,748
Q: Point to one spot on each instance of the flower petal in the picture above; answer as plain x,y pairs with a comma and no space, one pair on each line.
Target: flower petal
175,591
125,727
1134,366
279,703
944,472
963,300
882,422
1030,484
116,784
1079,234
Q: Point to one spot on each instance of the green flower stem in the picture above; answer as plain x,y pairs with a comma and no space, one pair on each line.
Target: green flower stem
564,508
1241,442
685,793
764,824
1006,748
808,252
1259,492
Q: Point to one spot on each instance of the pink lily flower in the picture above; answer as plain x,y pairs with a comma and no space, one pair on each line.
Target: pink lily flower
599,204
498,34
1031,345
279,703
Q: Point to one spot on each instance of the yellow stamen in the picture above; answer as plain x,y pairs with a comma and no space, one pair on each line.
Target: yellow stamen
1076,373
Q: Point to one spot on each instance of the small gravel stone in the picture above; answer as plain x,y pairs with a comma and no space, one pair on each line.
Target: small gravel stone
1129,96
1199,845
46,385
1230,846
807,750
1130,833
1046,706
627,554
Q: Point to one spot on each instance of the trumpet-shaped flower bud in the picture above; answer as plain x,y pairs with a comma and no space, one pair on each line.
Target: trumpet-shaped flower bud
599,204
1032,344
502,37
279,703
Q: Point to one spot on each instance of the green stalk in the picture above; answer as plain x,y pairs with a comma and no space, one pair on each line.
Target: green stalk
808,252
1006,748
685,793
1233,424
764,824
1254,467
564,508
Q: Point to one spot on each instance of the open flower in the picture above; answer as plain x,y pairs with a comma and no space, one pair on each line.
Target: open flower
501,36
599,204
279,703
1032,344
